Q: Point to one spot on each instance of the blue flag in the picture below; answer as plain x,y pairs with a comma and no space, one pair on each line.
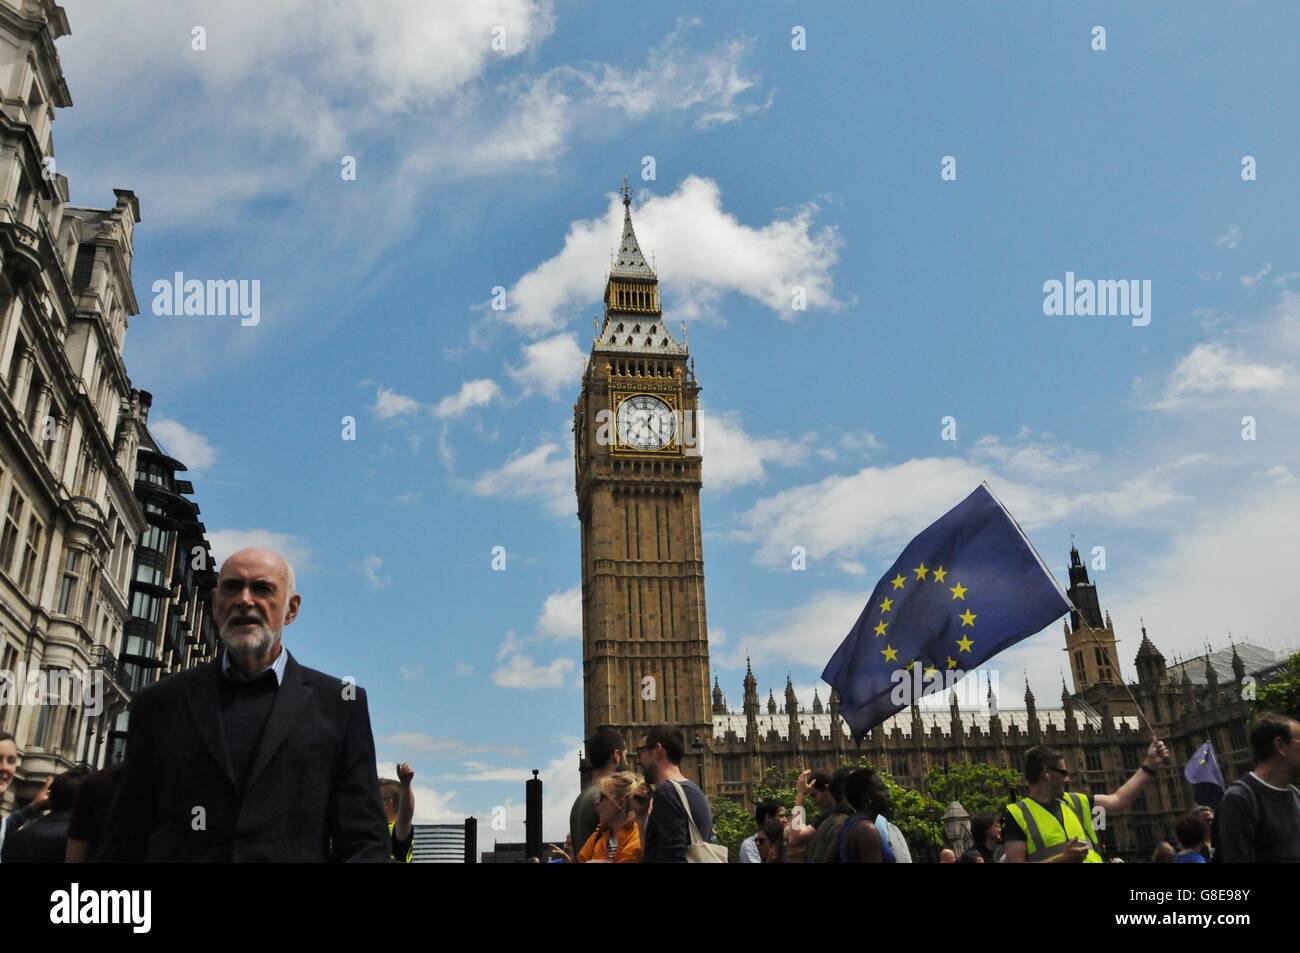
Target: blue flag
1202,771
966,588
1203,768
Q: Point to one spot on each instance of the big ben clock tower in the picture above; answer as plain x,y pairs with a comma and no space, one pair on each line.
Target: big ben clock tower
645,643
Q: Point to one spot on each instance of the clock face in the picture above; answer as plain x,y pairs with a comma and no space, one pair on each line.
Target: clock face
645,423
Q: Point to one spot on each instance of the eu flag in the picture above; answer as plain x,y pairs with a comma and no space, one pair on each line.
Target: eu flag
966,588
1203,773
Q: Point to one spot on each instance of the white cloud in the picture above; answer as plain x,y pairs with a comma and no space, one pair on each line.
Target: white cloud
369,569
1250,281
224,542
419,742
187,446
804,635
877,508
543,474
1230,238
560,781
1033,457
552,366
475,393
561,616
733,457
521,671
1213,370
674,78
390,404
707,251
1221,574
1282,476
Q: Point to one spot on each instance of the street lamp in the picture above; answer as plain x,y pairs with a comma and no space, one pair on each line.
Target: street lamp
698,747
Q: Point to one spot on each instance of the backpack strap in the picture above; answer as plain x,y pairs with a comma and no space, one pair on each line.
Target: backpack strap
846,831
686,805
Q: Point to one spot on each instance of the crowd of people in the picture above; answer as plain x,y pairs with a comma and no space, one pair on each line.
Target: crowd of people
218,756
663,816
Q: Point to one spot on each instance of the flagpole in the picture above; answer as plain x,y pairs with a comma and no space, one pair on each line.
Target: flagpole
1066,596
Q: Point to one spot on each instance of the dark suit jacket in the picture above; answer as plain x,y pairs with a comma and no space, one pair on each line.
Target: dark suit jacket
42,841
312,794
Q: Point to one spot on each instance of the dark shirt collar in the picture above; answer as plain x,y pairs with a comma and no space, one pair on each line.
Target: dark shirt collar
278,667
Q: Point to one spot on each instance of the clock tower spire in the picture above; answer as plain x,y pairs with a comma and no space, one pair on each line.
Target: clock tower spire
637,478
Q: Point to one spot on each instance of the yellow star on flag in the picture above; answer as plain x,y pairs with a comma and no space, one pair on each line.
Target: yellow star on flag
939,574
968,618
952,662
890,653
965,644
898,581
880,628
958,592
920,571
930,670
886,605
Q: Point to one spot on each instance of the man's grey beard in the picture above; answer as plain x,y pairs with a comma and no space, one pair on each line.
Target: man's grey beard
269,637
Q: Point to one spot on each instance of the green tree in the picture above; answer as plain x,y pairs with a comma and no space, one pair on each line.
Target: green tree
731,824
919,817
1282,692
981,788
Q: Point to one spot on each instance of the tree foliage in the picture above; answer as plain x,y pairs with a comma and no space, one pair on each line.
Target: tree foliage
917,814
1282,692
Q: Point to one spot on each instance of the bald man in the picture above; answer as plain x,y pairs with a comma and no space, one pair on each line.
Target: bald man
250,757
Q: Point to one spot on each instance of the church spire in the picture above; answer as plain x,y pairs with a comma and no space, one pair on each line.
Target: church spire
629,262
633,311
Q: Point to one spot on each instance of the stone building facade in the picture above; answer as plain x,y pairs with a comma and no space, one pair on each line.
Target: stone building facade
70,424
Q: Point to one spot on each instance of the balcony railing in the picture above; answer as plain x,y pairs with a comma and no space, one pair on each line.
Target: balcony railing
105,661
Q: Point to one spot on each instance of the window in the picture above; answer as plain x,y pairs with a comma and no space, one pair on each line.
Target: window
1078,663
145,606
1092,757
150,575
15,366
90,594
33,400
42,726
155,538
71,726
31,553
9,540
731,770
1237,736
8,678
71,580
50,429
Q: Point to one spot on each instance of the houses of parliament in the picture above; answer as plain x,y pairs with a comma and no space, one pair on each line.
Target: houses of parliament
638,474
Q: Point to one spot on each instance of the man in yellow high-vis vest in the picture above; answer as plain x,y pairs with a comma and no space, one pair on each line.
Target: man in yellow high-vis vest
1055,826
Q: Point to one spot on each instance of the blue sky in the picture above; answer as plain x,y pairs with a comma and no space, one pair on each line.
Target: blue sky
773,168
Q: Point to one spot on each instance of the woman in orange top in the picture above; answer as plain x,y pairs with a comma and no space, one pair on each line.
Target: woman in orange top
616,839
